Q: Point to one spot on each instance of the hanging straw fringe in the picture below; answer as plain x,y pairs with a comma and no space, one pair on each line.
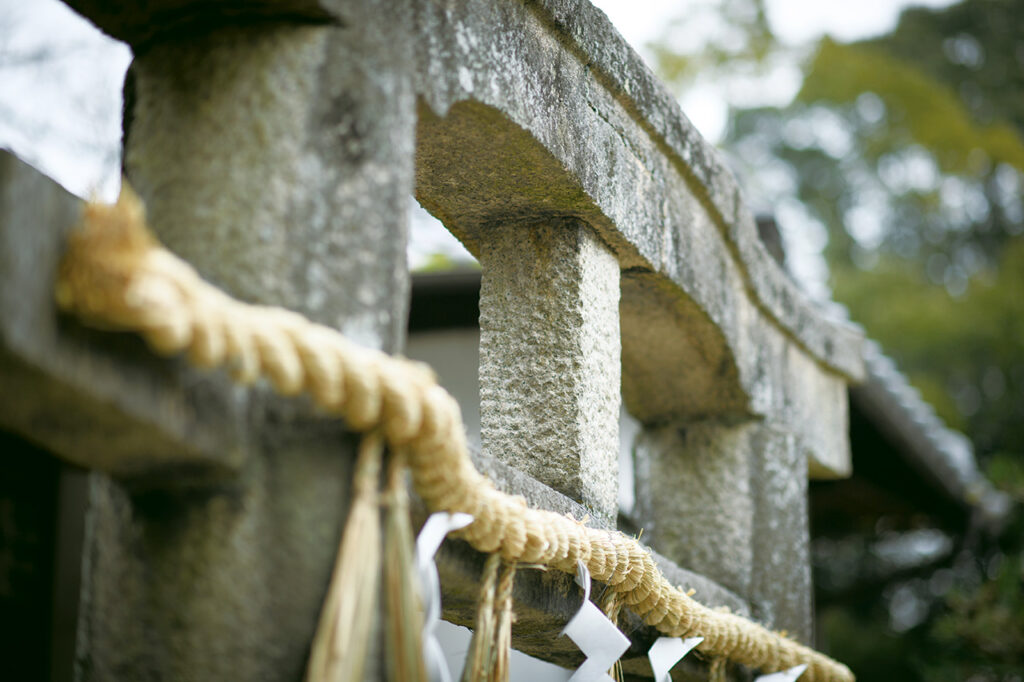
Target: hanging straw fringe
490,648
116,274
404,604
611,604
504,619
340,643
482,644
717,671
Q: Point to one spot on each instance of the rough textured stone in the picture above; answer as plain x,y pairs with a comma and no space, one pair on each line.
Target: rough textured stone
561,116
278,160
549,358
674,359
612,115
694,498
781,592
810,404
564,120
101,400
214,583
730,500
530,113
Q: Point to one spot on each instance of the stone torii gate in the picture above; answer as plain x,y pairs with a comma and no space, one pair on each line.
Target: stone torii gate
276,145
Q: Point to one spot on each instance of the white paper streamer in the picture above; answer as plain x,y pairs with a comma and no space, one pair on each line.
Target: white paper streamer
666,652
595,635
427,544
784,676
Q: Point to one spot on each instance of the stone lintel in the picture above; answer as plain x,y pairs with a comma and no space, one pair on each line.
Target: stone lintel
797,396
550,358
141,23
540,108
100,400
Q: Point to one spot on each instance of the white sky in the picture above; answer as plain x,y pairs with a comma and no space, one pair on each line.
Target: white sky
794,22
64,118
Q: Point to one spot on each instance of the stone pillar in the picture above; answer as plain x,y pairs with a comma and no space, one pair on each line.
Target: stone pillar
550,358
781,591
729,501
277,157
694,498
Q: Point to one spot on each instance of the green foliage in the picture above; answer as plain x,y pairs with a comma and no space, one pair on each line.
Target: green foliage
442,262
965,353
974,47
987,624
908,150
921,109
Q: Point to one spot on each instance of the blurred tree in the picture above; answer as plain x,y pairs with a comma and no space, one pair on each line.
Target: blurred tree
908,150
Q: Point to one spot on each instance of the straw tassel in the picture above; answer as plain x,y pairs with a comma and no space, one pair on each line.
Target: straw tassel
611,604
404,604
346,621
478,661
491,647
717,670
504,618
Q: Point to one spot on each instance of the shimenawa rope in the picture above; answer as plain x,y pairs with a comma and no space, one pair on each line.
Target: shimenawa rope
116,274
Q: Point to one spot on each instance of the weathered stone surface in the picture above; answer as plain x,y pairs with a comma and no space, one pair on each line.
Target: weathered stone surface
694,498
567,47
549,358
807,402
222,583
674,359
566,119
530,113
144,22
101,400
730,500
781,592
278,160
563,120
282,173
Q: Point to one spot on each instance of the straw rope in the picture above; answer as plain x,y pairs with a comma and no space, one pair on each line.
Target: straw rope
116,274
